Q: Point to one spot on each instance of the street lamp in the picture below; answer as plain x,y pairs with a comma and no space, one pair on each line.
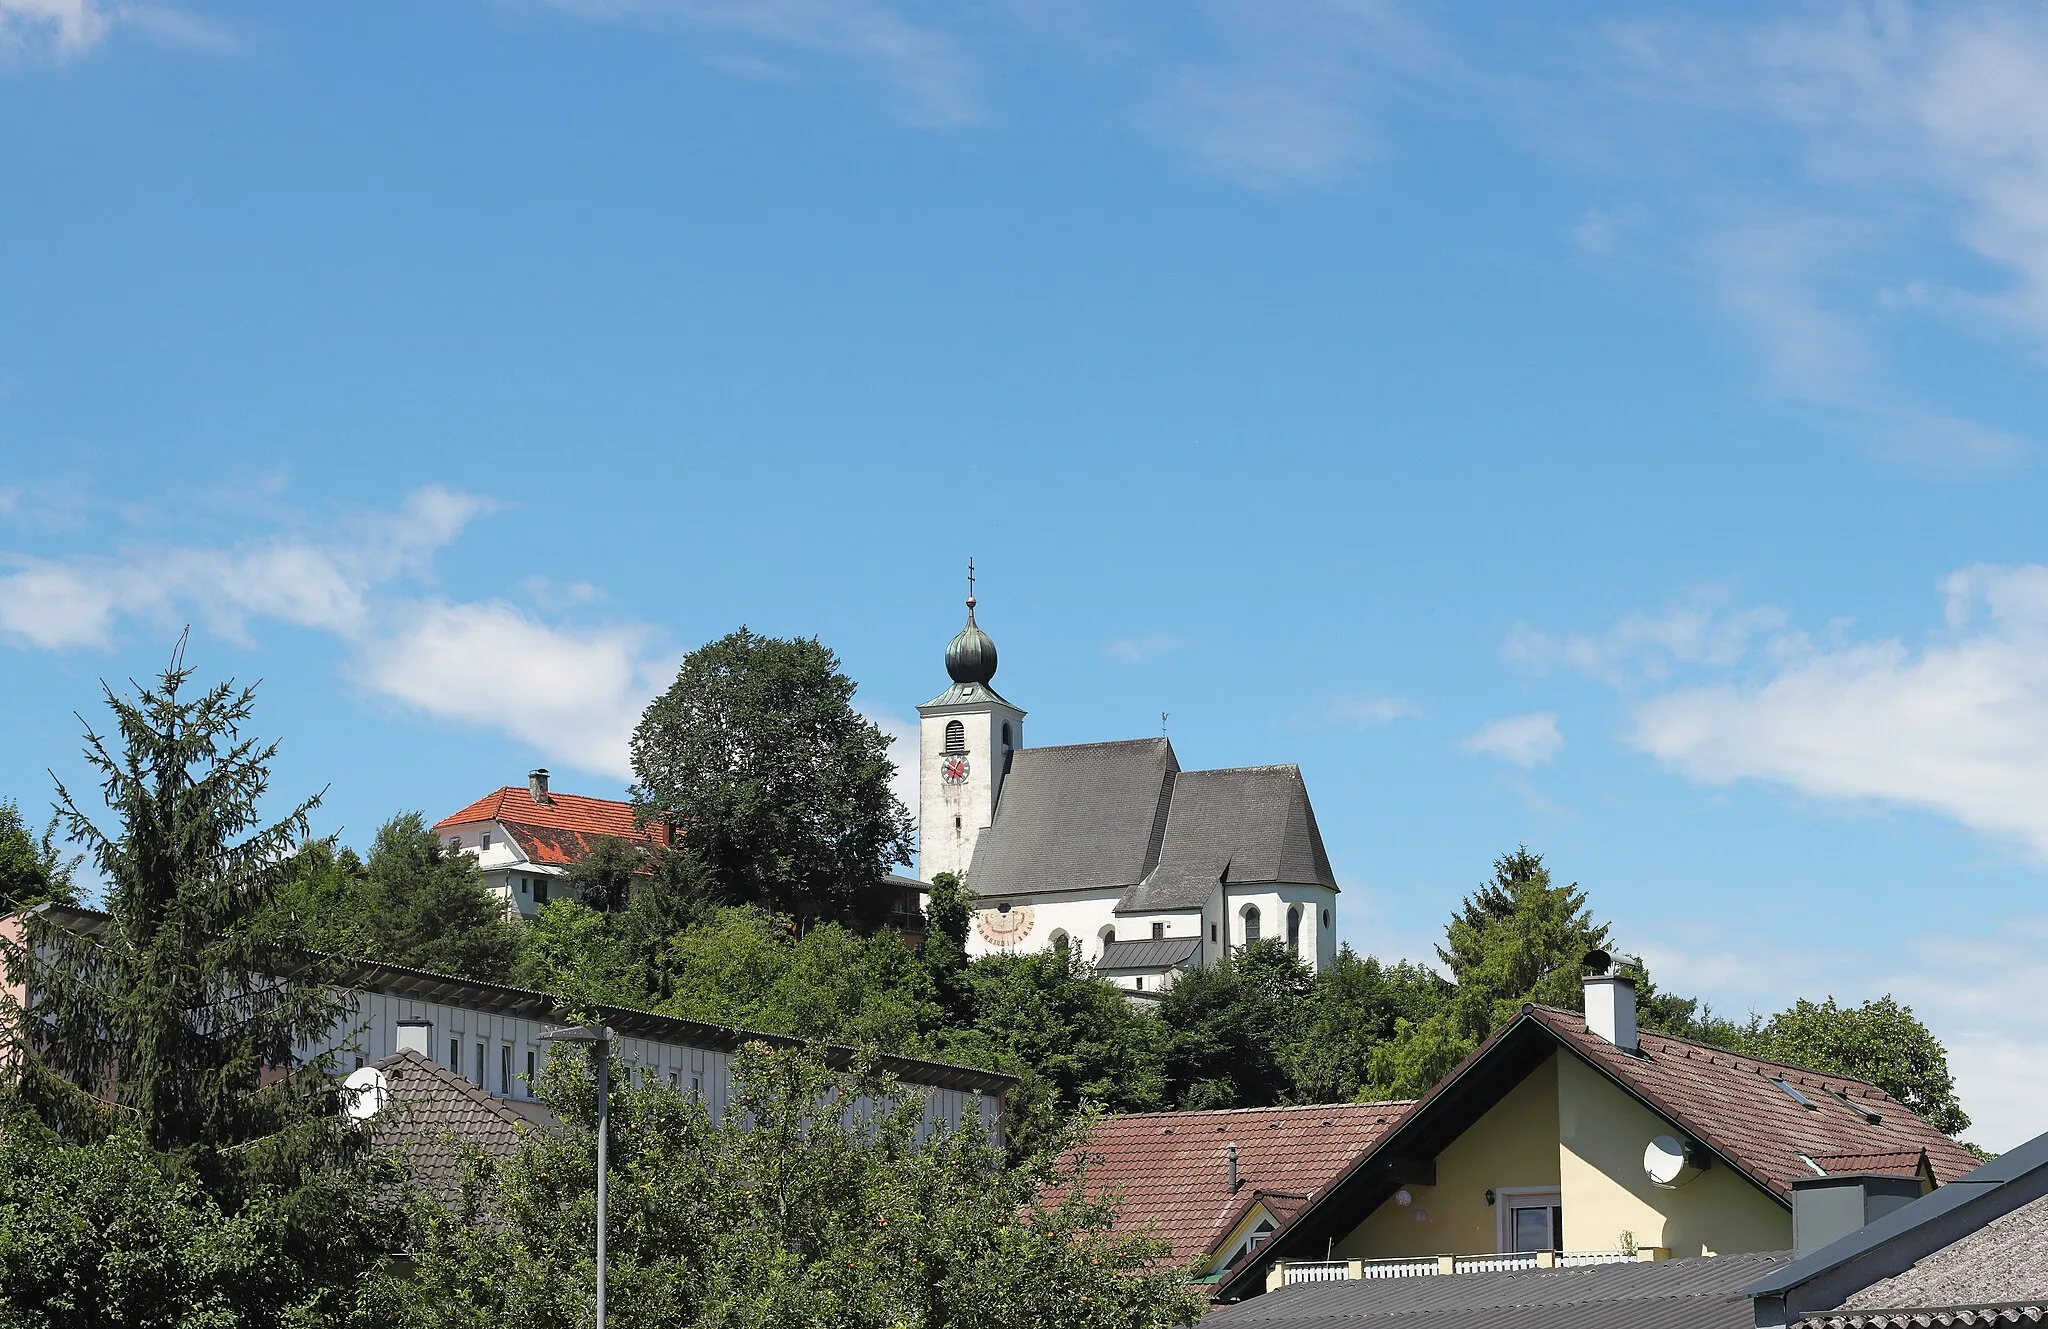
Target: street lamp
601,1038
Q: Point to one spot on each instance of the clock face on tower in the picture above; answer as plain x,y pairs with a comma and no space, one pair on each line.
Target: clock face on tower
954,770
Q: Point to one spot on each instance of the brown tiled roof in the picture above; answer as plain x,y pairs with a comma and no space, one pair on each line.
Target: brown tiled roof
1173,1173
1731,1104
559,831
1897,1163
436,1121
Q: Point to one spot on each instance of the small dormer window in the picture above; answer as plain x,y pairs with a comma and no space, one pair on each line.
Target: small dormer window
956,738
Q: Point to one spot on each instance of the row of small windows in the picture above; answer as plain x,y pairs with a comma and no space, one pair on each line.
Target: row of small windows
1060,940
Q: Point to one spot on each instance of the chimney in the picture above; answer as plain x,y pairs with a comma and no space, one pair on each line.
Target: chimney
1235,1181
1826,1209
1610,1001
414,1035
537,785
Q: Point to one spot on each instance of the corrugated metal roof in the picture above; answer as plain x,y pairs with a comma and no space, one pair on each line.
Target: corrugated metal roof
1150,953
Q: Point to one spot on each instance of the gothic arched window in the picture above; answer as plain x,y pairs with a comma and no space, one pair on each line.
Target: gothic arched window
1251,924
956,737
1294,930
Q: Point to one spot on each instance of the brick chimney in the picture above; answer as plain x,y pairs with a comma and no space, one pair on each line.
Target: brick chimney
537,785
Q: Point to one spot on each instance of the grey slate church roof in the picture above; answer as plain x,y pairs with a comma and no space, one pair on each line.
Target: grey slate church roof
1094,816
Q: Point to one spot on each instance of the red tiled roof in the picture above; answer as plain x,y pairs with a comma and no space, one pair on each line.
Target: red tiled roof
1172,1168
1730,1103
559,831
436,1121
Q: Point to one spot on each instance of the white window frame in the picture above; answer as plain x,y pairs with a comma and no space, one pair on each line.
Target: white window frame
1505,1202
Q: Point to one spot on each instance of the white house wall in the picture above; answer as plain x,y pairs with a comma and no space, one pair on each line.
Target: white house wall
370,1033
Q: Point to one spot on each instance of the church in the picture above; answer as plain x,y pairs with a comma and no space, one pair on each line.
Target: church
1111,849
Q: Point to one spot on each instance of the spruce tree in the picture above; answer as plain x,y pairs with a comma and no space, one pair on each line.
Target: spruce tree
178,1020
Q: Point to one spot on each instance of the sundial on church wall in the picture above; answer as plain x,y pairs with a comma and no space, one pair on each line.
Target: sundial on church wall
1005,925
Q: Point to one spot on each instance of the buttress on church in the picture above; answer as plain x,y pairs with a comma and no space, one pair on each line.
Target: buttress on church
1149,870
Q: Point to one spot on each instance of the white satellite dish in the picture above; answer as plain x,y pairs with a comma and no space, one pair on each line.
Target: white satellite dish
1667,1163
365,1092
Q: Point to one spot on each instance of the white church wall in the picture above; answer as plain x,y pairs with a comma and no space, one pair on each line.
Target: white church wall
1317,943
1081,916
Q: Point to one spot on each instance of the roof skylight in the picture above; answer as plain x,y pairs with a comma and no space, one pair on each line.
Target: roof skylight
1797,1097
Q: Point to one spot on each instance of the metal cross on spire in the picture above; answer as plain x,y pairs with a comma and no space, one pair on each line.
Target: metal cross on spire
970,576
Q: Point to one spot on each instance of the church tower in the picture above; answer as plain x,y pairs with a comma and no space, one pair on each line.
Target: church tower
965,737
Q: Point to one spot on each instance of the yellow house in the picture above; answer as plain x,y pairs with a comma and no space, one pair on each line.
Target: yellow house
1570,1138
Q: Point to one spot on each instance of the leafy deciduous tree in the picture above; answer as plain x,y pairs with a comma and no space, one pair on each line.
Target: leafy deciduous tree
32,869
758,758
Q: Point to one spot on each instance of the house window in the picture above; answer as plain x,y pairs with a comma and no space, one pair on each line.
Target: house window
1531,1219
505,1070
540,890
1251,924
1139,981
480,1081
484,840
1212,934
956,738
1158,931
455,1055
522,885
1294,931
529,1070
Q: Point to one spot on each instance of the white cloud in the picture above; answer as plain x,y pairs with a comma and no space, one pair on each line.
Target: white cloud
1284,98
1960,985
926,68
1525,740
1650,646
1140,650
1366,712
1959,728
307,582
574,694
63,29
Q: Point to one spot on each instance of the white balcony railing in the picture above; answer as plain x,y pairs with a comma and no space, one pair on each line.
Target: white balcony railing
1288,1272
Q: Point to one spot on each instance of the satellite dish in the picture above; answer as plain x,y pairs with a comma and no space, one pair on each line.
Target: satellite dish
1669,1163
365,1092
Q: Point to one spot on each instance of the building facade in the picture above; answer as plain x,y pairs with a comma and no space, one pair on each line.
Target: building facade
1111,849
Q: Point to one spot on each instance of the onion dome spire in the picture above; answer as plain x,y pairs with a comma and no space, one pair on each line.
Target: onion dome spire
971,656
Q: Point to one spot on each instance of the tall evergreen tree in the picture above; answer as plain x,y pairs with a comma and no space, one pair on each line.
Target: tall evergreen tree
179,1021
32,869
758,757
429,907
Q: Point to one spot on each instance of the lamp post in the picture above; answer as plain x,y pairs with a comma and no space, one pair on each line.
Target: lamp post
600,1038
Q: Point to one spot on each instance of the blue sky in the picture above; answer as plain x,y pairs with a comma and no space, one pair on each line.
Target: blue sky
1620,433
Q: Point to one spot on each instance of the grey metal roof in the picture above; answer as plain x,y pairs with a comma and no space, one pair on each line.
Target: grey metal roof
1978,1237
1230,827
1075,817
1699,1293
1149,953
1125,816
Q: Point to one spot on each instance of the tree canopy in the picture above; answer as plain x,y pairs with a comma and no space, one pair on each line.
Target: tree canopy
758,759
32,868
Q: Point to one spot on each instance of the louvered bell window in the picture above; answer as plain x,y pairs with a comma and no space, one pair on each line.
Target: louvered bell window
956,738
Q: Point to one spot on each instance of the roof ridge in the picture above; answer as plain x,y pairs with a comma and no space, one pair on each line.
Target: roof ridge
1294,766
1187,1113
1101,743
1716,1050
412,1058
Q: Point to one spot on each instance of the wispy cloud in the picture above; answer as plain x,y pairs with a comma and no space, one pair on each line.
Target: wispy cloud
1699,631
572,691
1525,740
1284,95
928,70
1958,727
65,29
1140,650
